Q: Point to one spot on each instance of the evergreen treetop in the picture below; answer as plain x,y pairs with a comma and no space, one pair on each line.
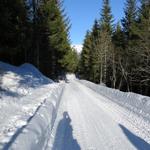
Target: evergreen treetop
106,19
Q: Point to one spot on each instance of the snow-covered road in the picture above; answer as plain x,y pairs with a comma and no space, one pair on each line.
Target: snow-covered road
39,114
89,121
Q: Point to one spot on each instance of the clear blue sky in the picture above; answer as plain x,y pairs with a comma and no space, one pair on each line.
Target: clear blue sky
82,14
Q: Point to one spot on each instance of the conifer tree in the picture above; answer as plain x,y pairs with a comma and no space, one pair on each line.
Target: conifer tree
143,48
70,61
99,48
119,53
129,28
53,41
106,32
58,38
95,53
106,17
12,31
84,64
129,20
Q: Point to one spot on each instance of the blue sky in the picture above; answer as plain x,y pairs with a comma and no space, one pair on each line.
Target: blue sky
82,14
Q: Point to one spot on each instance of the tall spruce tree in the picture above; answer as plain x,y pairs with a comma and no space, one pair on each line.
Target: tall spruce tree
55,29
94,53
12,31
119,53
70,61
129,28
129,20
106,32
84,64
143,48
106,17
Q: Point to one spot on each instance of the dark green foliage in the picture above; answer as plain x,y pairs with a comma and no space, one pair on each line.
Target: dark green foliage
55,31
120,57
37,32
12,30
106,17
143,48
96,58
70,61
84,66
129,20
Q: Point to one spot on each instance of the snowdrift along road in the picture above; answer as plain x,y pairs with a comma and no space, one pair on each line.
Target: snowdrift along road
136,103
28,107
37,113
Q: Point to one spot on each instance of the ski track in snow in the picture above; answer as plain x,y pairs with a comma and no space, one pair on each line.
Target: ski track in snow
89,121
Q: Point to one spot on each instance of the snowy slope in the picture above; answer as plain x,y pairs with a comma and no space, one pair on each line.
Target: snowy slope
28,106
19,80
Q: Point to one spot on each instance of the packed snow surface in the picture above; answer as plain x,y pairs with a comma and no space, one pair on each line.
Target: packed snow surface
89,120
136,103
38,114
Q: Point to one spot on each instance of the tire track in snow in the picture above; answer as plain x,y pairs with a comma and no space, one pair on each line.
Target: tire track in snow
123,116
95,121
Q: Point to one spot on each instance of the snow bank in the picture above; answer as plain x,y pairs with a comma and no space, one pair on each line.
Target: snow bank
35,134
18,80
137,103
28,106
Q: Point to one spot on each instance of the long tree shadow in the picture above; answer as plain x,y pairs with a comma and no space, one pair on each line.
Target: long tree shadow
138,142
64,137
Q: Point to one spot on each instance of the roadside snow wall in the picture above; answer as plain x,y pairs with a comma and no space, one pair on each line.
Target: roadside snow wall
35,134
20,80
137,103
22,86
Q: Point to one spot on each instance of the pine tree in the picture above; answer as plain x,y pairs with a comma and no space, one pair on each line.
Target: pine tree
55,33
84,64
106,32
95,53
129,20
12,31
129,28
143,48
70,61
119,54
106,17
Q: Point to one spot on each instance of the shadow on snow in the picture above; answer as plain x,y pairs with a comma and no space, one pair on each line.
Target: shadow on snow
64,137
138,142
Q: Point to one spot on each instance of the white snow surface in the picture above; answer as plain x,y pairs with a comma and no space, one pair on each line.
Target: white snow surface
28,107
70,77
136,103
38,114
89,120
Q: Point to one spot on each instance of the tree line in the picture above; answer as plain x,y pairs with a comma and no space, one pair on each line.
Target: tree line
119,55
37,32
